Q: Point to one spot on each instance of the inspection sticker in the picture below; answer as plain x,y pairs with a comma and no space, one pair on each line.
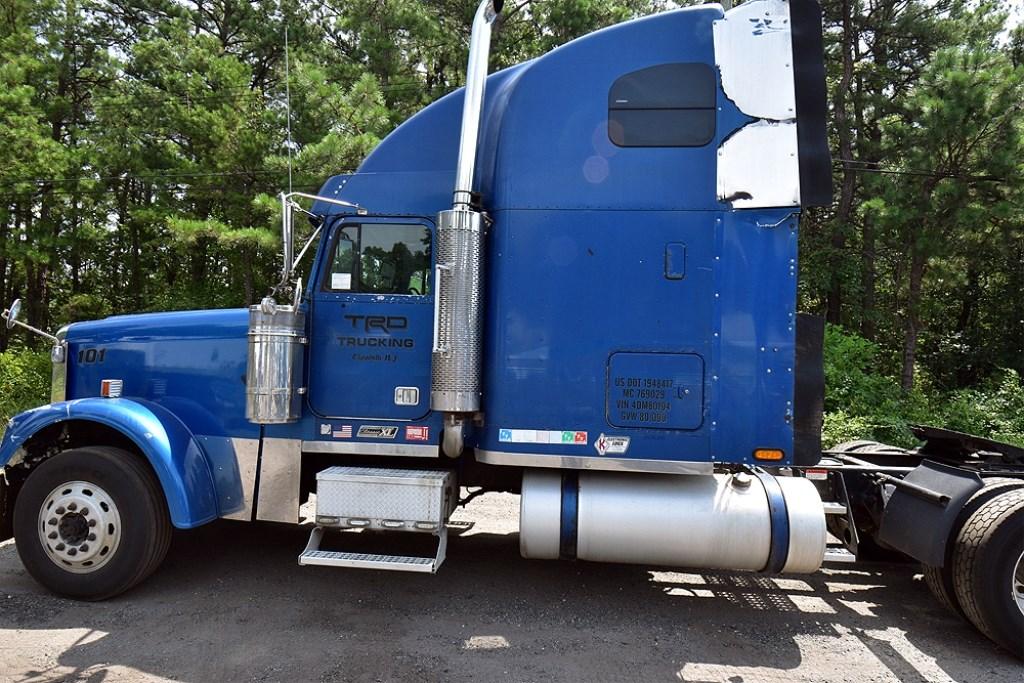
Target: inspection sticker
417,433
566,437
611,445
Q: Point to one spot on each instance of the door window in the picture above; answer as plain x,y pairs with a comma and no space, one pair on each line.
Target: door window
380,258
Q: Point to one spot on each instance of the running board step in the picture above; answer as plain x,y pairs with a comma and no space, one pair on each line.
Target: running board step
385,500
834,553
312,555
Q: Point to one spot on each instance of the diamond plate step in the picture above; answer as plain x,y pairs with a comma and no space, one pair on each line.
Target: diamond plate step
312,555
327,558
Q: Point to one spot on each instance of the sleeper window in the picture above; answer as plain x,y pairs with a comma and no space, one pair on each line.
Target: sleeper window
668,105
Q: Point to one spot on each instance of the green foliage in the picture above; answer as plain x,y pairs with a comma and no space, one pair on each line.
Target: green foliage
24,381
864,401
83,307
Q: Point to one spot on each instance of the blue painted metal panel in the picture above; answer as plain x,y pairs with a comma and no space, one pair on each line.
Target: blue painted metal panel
176,457
190,362
224,468
568,290
755,292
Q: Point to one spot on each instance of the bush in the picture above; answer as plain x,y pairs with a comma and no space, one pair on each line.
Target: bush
864,401
24,382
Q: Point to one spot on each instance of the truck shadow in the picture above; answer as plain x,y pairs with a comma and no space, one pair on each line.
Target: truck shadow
230,603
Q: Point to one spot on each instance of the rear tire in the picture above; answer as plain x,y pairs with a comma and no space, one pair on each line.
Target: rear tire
940,579
91,523
989,568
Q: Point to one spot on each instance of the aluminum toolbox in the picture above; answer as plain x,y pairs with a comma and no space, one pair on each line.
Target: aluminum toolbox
389,499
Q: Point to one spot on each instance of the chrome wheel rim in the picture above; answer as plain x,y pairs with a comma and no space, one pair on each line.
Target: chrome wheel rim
1018,583
79,527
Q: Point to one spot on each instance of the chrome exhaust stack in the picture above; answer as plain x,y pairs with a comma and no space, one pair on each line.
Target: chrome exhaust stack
458,276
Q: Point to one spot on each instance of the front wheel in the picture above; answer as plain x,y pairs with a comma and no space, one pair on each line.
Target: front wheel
90,523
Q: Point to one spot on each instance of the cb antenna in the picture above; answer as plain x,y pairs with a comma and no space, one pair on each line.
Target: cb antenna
288,105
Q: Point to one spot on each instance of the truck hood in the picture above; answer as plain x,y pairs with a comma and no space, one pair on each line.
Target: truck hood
228,323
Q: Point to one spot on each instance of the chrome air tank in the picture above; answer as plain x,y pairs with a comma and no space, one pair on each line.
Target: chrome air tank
736,522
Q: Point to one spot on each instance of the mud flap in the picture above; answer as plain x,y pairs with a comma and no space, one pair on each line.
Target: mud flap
920,525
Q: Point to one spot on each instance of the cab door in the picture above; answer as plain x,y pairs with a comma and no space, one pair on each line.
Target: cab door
372,320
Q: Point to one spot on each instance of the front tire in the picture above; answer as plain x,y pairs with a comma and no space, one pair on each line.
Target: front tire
91,523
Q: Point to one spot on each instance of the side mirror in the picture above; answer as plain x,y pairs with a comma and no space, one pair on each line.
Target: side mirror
13,312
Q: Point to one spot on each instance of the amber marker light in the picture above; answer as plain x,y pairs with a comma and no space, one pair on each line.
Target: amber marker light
768,454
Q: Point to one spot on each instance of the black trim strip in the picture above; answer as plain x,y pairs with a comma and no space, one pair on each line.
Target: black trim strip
779,548
569,522
811,106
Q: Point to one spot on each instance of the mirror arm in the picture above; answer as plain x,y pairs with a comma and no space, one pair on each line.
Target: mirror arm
287,205
6,316
302,252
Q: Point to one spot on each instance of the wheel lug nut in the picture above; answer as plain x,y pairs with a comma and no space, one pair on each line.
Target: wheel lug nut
72,552
72,506
84,548
52,521
52,536
92,537
60,510
60,546
84,511
92,522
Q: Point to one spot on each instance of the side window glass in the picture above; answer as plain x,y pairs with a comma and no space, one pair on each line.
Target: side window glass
381,258
668,105
342,264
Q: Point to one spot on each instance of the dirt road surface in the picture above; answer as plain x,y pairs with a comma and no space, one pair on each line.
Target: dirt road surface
231,604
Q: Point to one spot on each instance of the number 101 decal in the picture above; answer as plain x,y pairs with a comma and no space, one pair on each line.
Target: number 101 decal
86,356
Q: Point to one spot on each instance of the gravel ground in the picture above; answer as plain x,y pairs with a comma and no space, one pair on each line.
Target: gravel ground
231,604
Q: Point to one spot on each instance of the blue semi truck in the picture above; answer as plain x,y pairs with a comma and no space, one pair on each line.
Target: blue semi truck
574,279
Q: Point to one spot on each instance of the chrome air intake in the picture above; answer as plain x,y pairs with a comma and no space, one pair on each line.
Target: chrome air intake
458,277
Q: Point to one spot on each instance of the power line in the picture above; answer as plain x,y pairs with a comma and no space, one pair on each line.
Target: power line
875,167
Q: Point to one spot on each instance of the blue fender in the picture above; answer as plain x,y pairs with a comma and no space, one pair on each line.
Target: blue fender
175,455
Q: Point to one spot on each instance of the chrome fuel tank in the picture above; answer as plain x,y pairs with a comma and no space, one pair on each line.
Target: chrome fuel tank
698,521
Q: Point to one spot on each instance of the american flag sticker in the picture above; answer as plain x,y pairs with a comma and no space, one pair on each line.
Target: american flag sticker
417,433
344,433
